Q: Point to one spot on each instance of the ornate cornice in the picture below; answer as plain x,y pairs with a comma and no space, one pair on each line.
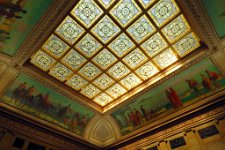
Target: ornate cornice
184,126
43,29
202,23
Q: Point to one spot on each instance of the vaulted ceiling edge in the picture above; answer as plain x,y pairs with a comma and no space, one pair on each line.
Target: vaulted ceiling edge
133,112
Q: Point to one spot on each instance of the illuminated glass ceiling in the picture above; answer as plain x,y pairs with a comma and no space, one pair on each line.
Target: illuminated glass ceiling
104,49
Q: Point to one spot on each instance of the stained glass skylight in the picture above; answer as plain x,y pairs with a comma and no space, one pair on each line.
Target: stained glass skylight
76,82
106,3
69,30
106,49
60,72
163,11
146,3
73,59
88,45
105,29
121,45
87,11
141,29
104,59
125,11
55,46
135,59
89,71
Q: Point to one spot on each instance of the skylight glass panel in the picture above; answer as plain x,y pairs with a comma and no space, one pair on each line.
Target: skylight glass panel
60,72
105,29
76,82
73,60
130,81
103,99
187,44
42,60
88,46
89,71
135,59
106,3
90,91
121,45
154,45
118,71
141,29
103,82
69,30
116,91
125,11
176,29
146,3
147,70
104,59
55,46
165,58
87,11
163,11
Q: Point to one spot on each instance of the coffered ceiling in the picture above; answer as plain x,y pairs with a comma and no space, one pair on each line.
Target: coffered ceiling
105,50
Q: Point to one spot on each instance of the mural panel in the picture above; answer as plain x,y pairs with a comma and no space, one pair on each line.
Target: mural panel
34,98
216,12
193,84
17,18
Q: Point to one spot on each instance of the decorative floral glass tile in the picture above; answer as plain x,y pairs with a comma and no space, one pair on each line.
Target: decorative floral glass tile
130,81
106,3
135,58
116,91
55,47
105,29
176,29
121,45
118,71
103,99
69,30
154,45
163,11
90,91
76,82
146,3
125,11
87,12
89,71
42,60
147,70
103,82
104,59
88,46
60,72
165,58
73,60
186,44
141,29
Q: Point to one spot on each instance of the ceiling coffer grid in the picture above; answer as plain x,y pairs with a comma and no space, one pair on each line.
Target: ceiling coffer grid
131,42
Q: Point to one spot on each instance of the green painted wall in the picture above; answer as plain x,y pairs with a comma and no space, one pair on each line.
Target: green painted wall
20,28
216,12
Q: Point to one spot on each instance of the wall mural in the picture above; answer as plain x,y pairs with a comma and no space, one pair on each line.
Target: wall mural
17,18
193,84
216,12
34,98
